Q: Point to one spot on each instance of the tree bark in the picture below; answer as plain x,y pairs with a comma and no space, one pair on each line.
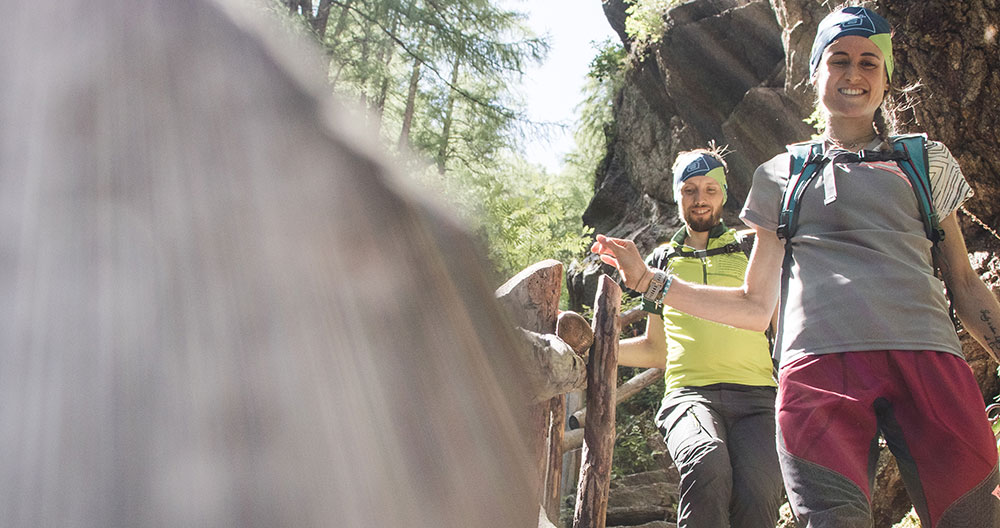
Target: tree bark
553,367
633,316
599,434
411,98
442,156
575,330
553,471
572,439
385,56
321,19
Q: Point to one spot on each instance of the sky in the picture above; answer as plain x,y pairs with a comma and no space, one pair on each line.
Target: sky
552,90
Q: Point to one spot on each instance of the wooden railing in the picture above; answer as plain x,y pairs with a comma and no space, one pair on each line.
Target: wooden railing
532,299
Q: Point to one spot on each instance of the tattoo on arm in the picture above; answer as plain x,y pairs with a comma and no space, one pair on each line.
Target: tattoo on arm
993,337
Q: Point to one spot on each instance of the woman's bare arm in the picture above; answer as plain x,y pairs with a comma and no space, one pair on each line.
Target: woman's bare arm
749,306
976,306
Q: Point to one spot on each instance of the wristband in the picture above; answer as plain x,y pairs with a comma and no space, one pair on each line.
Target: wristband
656,286
666,286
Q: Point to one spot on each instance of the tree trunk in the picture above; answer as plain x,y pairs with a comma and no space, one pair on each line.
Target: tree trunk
599,433
959,76
319,22
338,29
408,111
385,57
363,59
442,156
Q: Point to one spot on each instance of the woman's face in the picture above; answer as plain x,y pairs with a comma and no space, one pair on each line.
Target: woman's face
851,79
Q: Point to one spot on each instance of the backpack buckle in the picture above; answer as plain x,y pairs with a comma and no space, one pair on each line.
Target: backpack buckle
879,155
783,222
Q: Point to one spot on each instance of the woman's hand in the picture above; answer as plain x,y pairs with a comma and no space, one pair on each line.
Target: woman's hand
623,254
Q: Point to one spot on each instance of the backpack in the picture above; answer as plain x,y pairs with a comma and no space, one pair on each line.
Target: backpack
909,152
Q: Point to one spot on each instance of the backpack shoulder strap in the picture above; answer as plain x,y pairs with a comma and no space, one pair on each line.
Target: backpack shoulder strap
732,247
805,160
660,258
745,238
913,162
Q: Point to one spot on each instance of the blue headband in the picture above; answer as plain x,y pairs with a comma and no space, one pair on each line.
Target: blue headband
693,164
857,21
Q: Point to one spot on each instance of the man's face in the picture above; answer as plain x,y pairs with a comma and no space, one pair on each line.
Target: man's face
701,203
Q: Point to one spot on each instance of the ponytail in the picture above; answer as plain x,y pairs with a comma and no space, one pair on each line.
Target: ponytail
882,130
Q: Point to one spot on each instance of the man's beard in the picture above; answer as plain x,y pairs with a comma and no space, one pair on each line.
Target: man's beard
703,223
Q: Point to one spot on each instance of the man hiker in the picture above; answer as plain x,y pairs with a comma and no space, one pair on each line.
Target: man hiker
717,415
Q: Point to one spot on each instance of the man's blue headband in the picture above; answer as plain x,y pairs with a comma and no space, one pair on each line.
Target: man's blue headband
858,21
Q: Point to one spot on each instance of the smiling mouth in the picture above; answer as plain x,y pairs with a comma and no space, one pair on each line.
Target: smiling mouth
852,91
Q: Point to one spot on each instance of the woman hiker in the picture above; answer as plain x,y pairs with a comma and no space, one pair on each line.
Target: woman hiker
865,343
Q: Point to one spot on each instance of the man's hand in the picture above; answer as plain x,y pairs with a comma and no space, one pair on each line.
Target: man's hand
623,255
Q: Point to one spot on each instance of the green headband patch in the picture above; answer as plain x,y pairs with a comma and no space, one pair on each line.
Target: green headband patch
884,43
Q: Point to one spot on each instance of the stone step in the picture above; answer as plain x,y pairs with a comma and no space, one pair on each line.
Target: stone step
653,524
643,499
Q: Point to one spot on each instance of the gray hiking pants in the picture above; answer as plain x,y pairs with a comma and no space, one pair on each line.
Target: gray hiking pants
722,440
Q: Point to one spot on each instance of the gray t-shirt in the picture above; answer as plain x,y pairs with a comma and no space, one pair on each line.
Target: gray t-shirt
861,276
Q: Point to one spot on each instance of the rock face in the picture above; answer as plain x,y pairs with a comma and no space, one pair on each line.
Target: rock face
716,74
736,72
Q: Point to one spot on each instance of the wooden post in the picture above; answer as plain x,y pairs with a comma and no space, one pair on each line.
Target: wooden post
553,471
599,433
532,299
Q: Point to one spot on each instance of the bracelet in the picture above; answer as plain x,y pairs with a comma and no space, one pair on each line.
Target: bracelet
656,286
666,286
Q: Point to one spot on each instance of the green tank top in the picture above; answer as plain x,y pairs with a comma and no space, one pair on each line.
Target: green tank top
701,352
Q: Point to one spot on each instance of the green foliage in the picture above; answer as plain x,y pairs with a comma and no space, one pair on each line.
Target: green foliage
609,62
523,213
818,121
634,426
595,125
431,75
632,453
645,24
